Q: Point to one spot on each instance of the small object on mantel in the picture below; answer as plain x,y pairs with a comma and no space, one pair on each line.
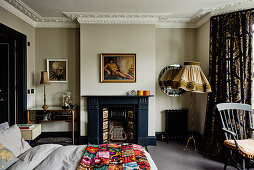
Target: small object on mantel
140,92
121,96
146,92
132,93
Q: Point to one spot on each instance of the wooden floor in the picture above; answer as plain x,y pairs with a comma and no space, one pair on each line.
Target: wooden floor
172,156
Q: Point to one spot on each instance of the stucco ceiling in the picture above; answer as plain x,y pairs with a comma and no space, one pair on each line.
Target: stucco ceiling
178,8
162,13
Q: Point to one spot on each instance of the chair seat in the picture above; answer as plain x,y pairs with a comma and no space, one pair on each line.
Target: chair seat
246,147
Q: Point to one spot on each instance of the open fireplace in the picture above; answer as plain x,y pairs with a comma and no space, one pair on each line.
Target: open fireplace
118,123
118,119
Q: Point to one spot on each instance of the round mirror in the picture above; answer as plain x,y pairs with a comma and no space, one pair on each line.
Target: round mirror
166,77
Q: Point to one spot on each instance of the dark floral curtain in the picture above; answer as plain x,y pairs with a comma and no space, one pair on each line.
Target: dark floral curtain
230,71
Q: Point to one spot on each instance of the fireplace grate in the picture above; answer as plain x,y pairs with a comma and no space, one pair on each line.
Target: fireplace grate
118,124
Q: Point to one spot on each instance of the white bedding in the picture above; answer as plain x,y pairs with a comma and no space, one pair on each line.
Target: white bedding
56,157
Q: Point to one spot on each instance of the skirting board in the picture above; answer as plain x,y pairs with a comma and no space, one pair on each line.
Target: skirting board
198,138
83,140
151,140
196,135
59,134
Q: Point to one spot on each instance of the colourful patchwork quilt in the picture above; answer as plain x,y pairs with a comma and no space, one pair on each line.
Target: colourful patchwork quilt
114,157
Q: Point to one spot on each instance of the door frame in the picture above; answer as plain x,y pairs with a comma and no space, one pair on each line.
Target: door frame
21,72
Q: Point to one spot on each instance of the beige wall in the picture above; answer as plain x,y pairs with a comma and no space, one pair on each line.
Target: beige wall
202,48
19,25
155,48
173,46
96,39
53,43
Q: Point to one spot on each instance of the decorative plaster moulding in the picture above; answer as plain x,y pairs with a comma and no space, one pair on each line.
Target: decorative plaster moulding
203,15
21,10
160,20
17,12
117,18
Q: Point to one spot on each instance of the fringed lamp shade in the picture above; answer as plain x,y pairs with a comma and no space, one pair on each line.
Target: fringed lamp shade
191,78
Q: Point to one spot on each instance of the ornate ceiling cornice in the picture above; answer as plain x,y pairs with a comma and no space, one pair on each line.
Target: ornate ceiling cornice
73,19
159,19
203,15
21,10
117,18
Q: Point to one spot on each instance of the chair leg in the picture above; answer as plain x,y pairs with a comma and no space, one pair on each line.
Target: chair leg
243,164
226,158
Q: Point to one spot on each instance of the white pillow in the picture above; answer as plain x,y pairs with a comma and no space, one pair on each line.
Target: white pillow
12,140
4,126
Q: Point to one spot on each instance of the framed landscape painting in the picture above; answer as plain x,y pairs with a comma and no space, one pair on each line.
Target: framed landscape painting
118,68
57,70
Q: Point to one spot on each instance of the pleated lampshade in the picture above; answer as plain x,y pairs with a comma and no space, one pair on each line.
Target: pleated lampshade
191,78
44,77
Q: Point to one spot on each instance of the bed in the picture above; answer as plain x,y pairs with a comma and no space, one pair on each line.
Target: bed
46,156
53,156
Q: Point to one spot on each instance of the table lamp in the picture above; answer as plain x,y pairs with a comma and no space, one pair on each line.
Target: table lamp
44,81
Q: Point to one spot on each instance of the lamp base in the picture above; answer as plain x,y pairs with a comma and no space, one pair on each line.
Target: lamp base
45,107
194,143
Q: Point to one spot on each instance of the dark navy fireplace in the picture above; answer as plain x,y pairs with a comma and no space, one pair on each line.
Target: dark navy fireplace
132,109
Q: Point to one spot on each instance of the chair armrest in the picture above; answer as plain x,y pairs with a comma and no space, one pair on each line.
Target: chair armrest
232,134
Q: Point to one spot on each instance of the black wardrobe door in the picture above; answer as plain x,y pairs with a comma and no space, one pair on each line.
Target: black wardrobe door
7,81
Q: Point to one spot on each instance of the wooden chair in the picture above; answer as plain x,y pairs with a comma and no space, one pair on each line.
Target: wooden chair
237,125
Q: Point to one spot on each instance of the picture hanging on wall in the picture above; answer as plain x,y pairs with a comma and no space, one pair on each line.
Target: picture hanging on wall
57,70
118,68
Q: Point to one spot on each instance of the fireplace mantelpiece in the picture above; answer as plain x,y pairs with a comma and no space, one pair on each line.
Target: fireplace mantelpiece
93,108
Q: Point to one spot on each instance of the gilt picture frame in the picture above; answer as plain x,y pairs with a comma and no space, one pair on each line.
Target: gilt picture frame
118,68
57,70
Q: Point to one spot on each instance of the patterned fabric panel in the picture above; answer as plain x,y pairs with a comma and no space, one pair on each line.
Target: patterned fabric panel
114,157
141,157
88,159
130,166
102,157
128,156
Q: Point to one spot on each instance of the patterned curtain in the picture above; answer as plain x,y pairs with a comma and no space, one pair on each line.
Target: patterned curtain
230,71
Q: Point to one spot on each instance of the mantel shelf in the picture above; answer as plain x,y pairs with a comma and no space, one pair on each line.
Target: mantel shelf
116,96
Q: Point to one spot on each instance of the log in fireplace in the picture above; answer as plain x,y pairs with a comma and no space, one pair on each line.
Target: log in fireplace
117,119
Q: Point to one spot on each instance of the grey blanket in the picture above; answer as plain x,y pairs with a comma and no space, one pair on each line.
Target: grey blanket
55,157
50,156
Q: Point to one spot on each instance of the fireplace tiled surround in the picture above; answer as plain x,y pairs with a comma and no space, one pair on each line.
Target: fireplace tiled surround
116,119
117,123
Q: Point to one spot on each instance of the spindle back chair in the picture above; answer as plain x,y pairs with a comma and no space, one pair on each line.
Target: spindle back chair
237,124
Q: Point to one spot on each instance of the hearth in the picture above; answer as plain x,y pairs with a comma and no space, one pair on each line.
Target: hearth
118,123
118,119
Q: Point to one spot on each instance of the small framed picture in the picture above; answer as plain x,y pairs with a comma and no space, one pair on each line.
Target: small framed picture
118,68
57,70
